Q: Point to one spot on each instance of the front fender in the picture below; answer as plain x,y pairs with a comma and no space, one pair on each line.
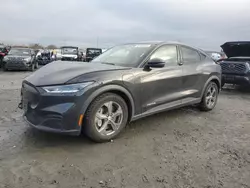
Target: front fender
105,89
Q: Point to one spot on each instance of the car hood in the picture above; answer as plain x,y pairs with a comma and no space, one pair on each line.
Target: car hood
236,49
17,56
60,72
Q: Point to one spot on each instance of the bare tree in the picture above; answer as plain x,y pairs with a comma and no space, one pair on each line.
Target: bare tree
52,46
36,46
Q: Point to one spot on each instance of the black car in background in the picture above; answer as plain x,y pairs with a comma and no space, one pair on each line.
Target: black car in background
69,53
44,57
125,83
91,53
236,67
20,59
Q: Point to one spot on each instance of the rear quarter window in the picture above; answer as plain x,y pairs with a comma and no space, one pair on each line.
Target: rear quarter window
189,55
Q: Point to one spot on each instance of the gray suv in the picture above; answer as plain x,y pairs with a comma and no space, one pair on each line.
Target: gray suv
20,59
236,68
125,83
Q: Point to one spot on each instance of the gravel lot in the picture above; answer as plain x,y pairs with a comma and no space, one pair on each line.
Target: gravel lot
177,149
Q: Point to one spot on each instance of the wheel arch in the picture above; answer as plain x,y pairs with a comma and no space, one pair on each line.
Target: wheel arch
212,78
116,89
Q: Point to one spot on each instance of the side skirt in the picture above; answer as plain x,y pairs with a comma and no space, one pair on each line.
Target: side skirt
168,106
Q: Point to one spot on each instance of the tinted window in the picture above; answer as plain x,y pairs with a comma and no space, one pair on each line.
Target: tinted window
167,53
189,55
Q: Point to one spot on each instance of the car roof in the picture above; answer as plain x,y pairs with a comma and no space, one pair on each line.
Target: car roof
160,43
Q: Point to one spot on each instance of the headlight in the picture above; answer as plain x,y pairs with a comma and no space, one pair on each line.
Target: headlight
72,88
5,58
27,59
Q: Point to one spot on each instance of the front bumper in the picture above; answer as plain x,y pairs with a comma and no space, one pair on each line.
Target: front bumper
69,59
58,113
236,79
43,62
17,65
52,130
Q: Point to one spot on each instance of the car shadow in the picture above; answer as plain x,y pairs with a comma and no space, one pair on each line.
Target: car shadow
41,139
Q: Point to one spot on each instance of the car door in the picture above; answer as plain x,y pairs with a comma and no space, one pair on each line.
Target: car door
192,80
161,87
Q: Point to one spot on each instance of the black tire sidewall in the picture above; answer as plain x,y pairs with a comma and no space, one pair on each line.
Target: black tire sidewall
89,124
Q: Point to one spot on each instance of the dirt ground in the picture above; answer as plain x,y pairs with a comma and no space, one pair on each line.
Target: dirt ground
184,148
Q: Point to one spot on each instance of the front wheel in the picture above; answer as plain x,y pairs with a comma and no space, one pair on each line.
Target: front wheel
4,67
32,67
36,64
210,97
106,117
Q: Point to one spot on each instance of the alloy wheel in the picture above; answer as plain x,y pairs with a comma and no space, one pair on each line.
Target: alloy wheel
211,96
108,118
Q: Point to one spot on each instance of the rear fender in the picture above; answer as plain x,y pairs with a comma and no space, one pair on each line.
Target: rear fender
213,77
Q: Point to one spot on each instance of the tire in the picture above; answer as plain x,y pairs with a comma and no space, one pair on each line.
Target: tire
222,84
91,126
205,105
4,67
32,68
36,65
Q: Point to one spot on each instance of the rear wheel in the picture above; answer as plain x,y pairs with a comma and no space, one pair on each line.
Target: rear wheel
106,117
210,97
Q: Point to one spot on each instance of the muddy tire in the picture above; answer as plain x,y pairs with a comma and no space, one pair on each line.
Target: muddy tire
105,118
210,97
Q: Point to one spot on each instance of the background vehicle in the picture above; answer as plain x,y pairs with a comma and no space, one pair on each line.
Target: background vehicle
20,59
216,56
91,53
44,57
58,54
3,52
236,68
125,83
69,53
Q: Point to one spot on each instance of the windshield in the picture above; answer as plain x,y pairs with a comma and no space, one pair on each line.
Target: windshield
69,50
94,51
129,55
20,52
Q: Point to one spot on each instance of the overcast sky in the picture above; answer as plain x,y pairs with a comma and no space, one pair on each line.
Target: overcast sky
202,23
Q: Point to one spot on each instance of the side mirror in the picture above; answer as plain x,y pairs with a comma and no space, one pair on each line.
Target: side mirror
156,63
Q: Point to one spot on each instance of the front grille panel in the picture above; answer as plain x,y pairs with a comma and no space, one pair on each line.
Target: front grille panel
15,59
237,68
